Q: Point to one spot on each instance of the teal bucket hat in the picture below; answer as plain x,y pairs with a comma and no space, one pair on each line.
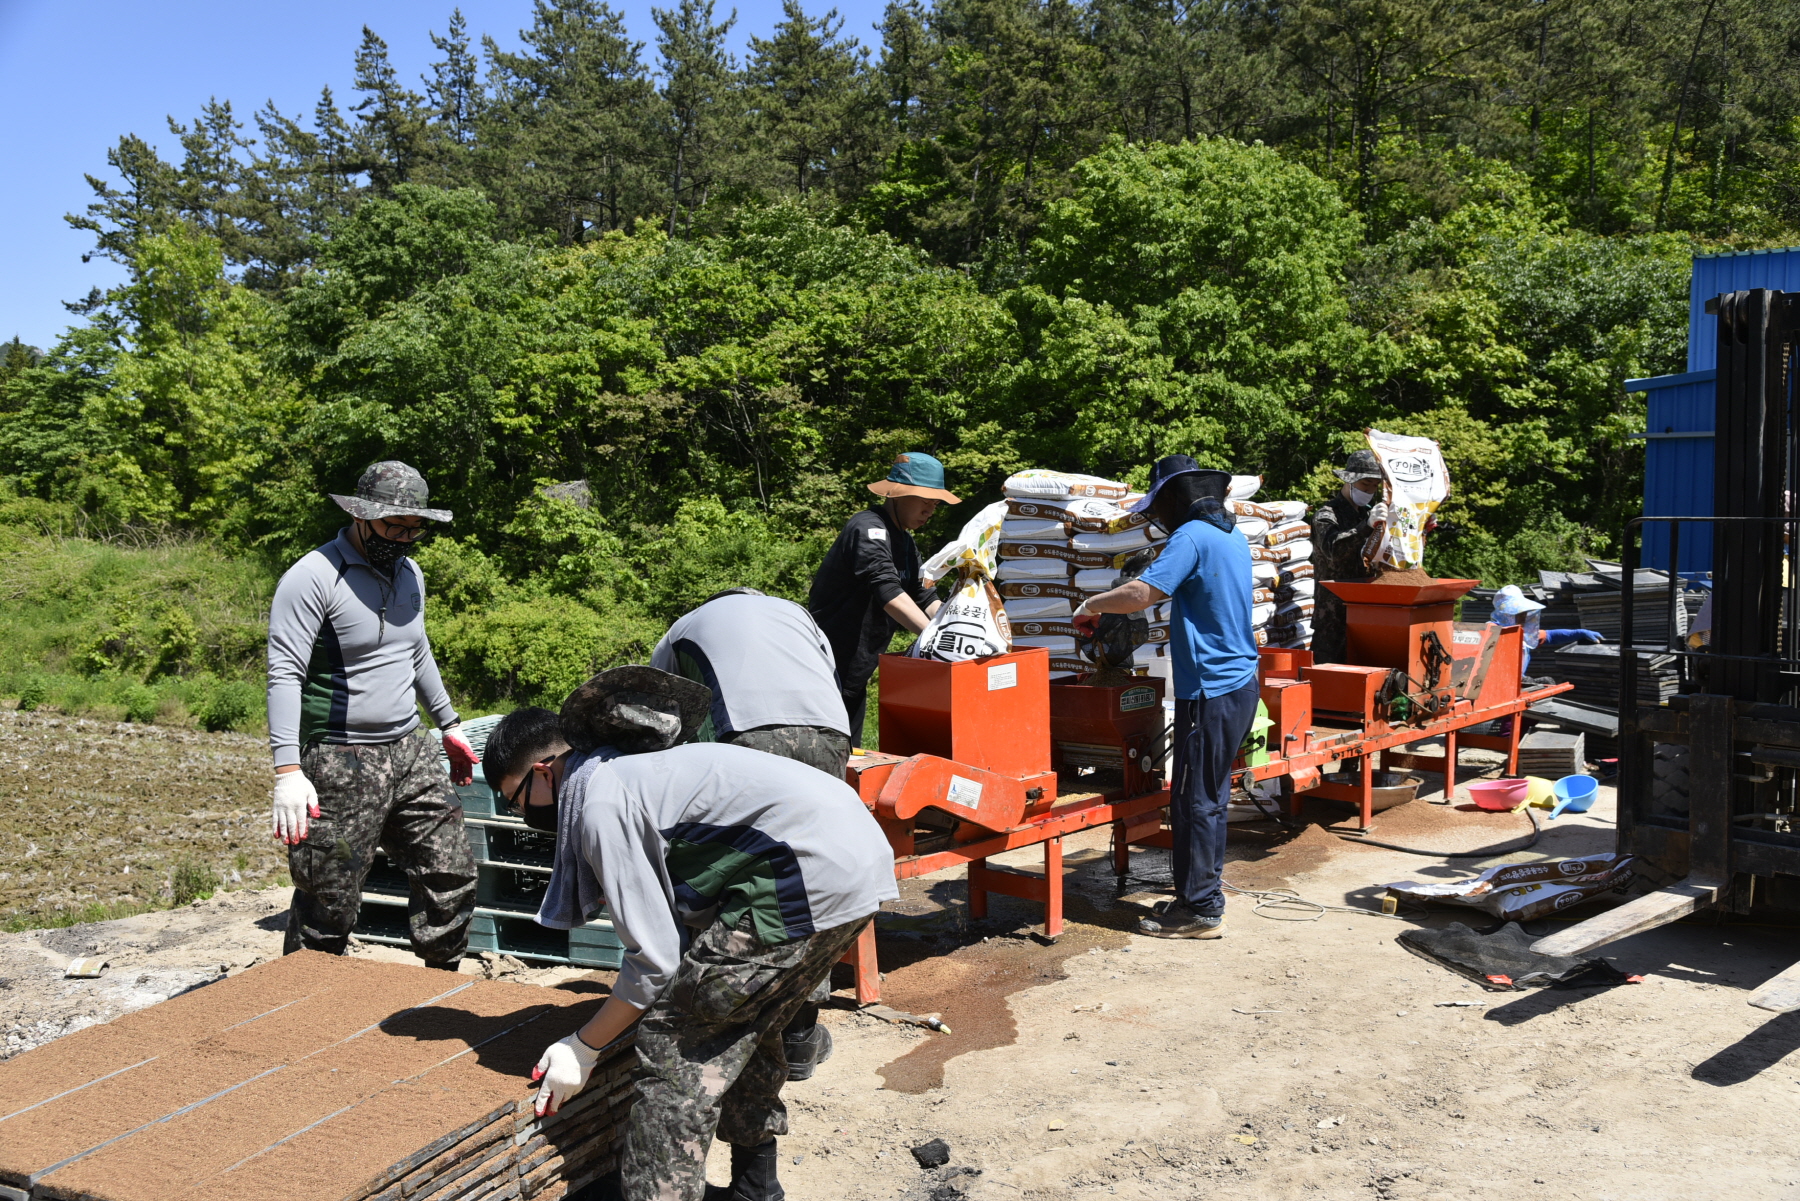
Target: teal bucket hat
915,473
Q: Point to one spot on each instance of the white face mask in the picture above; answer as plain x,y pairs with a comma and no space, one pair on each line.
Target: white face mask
1364,497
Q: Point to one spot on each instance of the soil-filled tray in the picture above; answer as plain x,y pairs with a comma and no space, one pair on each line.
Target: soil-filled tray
312,1078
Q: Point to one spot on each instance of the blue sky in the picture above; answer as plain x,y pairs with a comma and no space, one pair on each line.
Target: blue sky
77,74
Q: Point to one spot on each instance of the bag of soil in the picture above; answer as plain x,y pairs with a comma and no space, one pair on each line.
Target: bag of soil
978,545
1518,892
1417,483
1056,486
972,624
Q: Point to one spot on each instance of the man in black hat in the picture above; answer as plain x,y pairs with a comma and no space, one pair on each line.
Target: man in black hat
349,666
734,878
1205,567
869,586
1345,532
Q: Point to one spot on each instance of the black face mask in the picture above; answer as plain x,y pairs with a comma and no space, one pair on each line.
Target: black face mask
541,817
382,553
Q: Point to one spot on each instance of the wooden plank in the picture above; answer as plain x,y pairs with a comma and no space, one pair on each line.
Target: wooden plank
1780,994
1647,912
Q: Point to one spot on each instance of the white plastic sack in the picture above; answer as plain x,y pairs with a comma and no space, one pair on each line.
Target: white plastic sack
1417,483
977,544
1268,510
1125,540
1061,485
1243,487
1254,529
1289,531
1263,570
1056,644
1038,608
1033,569
970,625
1260,614
1300,588
1033,529
1096,579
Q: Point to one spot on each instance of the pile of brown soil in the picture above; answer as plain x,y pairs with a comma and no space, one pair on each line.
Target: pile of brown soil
311,1077
1412,577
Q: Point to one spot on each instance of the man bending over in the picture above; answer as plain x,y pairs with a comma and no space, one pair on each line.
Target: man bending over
773,867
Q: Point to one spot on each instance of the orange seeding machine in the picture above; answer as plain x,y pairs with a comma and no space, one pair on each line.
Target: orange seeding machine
987,756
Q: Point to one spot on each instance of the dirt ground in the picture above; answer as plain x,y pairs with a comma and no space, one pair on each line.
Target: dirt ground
1293,1058
95,812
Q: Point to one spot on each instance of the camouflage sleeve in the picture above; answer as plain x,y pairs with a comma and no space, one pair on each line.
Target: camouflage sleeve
1337,547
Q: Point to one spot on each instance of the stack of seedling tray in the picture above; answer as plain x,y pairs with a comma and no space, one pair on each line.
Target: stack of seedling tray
314,1078
513,862
1552,754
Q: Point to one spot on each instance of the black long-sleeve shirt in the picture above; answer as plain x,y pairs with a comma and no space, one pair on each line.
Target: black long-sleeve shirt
872,562
1340,530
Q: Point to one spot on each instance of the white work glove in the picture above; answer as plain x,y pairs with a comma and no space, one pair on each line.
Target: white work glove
295,800
1378,513
462,756
562,1072
1082,610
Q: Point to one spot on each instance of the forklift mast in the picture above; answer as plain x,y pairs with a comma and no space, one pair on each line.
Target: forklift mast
1708,782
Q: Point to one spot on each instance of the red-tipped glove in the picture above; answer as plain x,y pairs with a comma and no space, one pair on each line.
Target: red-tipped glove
462,756
1087,623
562,1072
296,800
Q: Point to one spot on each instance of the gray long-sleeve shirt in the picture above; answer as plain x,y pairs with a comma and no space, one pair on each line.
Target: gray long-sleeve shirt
765,659
349,661
681,836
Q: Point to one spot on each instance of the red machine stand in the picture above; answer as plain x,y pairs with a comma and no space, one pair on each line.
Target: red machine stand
968,770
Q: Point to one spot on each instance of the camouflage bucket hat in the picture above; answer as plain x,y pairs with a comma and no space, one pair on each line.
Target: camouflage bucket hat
390,489
1362,465
634,708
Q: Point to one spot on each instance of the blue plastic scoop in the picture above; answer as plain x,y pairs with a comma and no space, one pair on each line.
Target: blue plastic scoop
1574,794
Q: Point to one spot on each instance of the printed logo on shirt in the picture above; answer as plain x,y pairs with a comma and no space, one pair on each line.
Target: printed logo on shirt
878,534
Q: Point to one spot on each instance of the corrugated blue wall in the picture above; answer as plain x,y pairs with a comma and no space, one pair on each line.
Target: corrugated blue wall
1678,470
1716,273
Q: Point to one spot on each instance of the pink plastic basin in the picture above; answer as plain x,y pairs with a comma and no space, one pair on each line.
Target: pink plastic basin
1498,794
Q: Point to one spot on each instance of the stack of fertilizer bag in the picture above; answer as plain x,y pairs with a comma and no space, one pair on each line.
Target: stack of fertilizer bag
1066,537
1281,570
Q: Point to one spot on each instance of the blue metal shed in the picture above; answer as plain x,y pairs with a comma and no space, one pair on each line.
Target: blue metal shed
1678,455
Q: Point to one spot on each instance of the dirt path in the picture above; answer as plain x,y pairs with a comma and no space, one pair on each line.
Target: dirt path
1303,1059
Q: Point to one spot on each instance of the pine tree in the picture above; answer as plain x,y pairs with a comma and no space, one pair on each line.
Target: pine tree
392,128
813,102
565,143
454,85
703,119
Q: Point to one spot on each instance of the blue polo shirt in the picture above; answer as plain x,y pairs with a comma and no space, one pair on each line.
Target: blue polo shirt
1207,572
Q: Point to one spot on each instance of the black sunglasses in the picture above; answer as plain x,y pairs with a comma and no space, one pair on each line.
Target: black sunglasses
515,801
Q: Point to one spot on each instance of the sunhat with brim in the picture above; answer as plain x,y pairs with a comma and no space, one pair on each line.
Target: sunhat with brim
634,708
915,473
390,489
1363,465
1510,602
1170,466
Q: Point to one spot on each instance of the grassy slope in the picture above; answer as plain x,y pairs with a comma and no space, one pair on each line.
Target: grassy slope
171,631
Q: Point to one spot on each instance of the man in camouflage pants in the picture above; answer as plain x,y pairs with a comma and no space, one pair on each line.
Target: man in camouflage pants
349,666
713,1057
735,879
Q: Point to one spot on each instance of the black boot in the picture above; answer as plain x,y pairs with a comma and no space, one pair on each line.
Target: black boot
806,1050
753,1174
